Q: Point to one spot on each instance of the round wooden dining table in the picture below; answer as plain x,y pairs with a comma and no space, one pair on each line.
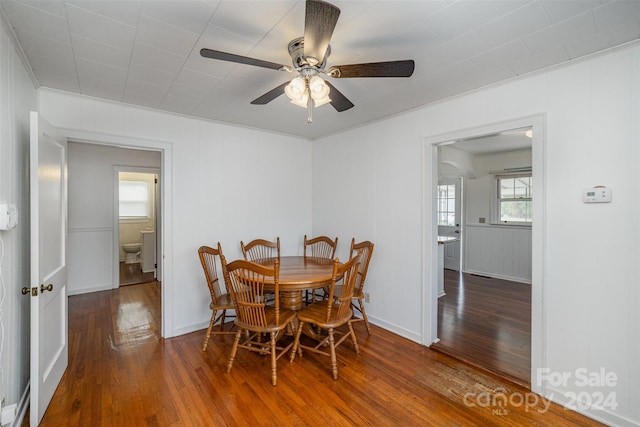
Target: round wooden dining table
297,274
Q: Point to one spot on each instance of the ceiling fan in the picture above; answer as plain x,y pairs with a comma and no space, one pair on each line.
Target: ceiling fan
309,56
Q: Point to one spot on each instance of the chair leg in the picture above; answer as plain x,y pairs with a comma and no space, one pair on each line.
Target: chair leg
206,337
353,338
274,371
234,349
334,362
296,343
222,316
364,316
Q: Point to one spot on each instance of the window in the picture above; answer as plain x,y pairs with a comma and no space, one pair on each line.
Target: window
134,199
447,205
514,198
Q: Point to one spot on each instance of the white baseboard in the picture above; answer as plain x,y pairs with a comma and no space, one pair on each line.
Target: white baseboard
603,415
405,333
23,406
499,276
89,289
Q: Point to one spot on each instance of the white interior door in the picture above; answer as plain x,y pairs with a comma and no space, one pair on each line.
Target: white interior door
449,214
48,181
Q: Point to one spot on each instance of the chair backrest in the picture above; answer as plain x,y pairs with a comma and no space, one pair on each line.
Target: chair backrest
367,249
246,281
208,257
345,275
320,247
260,249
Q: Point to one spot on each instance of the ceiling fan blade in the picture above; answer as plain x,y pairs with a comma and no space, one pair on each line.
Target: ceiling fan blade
271,95
230,57
374,69
338,100
319,23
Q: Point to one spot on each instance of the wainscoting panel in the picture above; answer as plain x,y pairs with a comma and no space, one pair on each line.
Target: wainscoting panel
498,251
90,252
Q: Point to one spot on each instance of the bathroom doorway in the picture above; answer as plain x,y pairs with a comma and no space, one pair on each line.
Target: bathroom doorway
136,208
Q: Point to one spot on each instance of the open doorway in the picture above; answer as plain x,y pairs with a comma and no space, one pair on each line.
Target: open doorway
137,213
496,247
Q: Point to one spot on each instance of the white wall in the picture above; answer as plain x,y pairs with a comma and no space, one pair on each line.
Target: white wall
588,293
491,249
228,184
17,98
91,211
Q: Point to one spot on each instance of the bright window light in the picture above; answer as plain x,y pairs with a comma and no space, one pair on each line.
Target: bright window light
134,199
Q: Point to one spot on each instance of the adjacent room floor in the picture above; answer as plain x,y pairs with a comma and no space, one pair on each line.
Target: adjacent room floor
487,322
131,274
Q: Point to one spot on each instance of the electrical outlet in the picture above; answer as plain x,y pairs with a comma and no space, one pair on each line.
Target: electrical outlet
367,297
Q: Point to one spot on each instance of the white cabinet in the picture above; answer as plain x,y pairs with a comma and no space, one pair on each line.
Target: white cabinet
148,251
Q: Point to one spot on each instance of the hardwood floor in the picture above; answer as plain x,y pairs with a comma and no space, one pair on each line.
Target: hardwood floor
131,274
121,373
487,322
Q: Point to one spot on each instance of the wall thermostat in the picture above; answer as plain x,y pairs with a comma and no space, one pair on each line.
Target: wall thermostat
596,195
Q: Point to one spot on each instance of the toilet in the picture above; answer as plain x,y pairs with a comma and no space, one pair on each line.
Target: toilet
131,252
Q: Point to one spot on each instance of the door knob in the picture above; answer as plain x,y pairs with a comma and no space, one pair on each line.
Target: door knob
43,288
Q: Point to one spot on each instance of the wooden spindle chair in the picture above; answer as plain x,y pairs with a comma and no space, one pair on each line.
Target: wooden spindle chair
220,301
260,249
246,283
330,314
319,247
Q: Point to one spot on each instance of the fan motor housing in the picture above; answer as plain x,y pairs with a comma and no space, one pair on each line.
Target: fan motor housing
296,51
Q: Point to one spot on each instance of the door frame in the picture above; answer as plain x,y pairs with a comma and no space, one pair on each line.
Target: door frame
116,218
165,218
538,232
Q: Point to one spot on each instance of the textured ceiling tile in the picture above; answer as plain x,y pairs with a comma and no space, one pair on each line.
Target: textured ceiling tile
603,40
458,49
96,51
100,28
48,48
567,31
106,89
50,72
502,56
516,24
157,58
461,17
541,60
151,75
560,10
125,11
617,13
164,36
36,21
192,16
101,71
197,80
250,20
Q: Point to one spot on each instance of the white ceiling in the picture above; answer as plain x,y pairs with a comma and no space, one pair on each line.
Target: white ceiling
147,52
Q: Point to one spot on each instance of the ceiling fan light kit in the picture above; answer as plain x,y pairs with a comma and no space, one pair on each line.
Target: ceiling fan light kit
309,56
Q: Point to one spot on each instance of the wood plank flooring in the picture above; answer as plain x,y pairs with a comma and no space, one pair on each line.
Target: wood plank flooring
121,373
131,274
487,322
